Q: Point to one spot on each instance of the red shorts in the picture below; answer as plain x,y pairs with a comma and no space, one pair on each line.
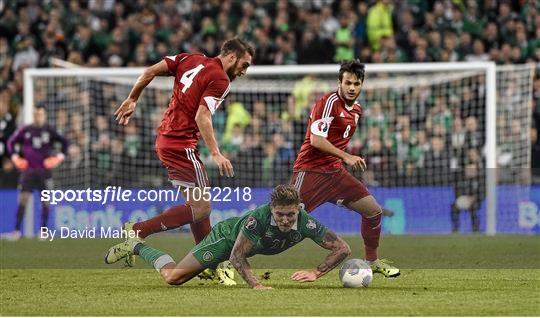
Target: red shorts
317,188
183,165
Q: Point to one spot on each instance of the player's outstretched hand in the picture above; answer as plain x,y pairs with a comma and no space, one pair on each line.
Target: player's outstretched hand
356,162
224,165
262,287
304,276
19,162
53,161
124,112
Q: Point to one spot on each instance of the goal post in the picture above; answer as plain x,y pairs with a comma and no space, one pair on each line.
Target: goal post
396,84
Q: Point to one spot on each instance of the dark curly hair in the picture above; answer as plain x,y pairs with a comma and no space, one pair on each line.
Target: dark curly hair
353,67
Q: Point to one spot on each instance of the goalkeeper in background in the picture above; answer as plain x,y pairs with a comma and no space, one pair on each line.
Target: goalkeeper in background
269,229
35,150
318,172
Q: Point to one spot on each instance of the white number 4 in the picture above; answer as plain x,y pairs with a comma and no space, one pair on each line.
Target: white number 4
189,75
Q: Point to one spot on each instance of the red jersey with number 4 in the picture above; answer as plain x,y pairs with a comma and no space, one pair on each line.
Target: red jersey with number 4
332,119
198,80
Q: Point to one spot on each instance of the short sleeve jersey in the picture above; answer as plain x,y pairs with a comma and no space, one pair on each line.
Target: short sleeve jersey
332,119
198,80
260,228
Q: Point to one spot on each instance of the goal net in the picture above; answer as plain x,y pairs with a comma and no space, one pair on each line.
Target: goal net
428,132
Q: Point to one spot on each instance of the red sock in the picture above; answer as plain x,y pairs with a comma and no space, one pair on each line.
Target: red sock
371,231
200,229
171,218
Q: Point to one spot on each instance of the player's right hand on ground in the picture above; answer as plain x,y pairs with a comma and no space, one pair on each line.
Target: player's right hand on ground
224,165
19,162
356,162
124,112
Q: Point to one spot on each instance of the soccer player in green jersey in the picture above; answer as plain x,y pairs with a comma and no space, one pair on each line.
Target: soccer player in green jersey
269,229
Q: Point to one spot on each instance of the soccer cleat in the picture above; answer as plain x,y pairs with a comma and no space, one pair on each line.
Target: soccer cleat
382,266
122,250
225,274
128,226
207,274
12,236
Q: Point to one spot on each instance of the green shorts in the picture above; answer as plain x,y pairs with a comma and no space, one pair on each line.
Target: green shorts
215,248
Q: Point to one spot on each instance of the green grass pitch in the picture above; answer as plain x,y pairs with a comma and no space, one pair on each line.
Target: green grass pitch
441,275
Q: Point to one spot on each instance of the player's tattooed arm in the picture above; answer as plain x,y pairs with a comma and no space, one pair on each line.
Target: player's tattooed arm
340,250
241,250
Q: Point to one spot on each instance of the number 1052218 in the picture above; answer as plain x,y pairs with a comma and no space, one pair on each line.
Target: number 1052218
217,194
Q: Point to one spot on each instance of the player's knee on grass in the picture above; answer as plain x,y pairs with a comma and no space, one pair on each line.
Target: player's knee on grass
173,277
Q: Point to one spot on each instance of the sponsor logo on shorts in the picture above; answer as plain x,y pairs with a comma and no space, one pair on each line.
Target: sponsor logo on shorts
208,256
251,223
311,224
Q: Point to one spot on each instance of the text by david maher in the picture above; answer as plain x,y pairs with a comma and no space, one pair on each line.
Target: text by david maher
103,232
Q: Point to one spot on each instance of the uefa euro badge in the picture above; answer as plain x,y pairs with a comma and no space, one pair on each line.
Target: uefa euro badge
323,127
311,225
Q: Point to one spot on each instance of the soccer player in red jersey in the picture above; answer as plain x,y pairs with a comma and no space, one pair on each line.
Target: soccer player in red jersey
201,83
318,172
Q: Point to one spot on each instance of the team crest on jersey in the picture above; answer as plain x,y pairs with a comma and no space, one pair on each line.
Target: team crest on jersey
251,223
296,237
311,224
208,256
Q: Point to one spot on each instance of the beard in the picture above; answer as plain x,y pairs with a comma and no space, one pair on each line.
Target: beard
230,72
345,96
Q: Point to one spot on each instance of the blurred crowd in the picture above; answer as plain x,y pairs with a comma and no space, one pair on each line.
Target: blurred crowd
139,33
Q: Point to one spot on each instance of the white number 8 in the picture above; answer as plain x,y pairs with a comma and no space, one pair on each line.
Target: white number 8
346,134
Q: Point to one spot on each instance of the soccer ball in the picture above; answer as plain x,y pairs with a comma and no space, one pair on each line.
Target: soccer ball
355,273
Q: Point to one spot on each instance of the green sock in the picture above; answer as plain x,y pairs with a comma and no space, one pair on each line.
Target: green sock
152,256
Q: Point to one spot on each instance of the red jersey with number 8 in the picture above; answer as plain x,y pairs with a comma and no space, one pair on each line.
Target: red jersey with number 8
332,119
198,80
